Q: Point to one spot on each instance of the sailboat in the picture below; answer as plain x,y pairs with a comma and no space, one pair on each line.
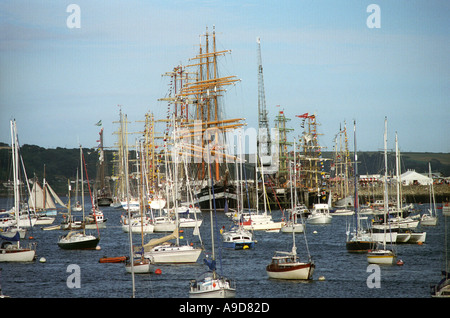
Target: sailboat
77,206
212,285
287,265
361,240
292,225
344,200
237,237
260,221
75,240
140,265
442,289
69,222
159,250
430,219
383,255
10,249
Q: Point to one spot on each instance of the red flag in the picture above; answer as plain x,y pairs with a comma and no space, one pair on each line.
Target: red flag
305,115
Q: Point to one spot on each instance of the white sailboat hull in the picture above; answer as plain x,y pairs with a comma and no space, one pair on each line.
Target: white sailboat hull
137,228
296,228
418,237
16,255
403,237
139,267
189,223
382,257
264,226
297,272
261,222
167,254
343,212
44,220
385,237
428,220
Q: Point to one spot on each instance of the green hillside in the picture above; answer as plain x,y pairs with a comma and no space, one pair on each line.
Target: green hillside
62,163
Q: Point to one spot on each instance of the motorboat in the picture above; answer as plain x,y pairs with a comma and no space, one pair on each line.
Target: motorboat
320,214
212,287
238,238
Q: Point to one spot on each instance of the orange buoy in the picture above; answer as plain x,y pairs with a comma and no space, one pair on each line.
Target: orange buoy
158,271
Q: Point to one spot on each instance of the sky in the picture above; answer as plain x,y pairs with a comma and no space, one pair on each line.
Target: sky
335,59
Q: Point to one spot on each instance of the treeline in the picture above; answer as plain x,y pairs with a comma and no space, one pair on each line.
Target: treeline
59,164
62,163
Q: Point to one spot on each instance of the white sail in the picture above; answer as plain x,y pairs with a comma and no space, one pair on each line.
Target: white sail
56,197
37,198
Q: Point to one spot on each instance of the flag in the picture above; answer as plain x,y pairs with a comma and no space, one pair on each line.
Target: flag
99,123
305,115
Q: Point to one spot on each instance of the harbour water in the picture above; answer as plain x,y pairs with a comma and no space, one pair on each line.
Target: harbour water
345,274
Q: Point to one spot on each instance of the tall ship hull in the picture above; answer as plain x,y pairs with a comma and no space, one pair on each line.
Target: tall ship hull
225,197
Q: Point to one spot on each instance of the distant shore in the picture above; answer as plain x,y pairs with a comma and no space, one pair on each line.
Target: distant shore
412,193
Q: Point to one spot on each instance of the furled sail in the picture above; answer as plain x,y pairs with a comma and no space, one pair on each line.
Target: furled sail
153,242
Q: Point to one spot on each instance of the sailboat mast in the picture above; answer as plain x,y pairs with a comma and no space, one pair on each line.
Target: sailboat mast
82,185
356,199
397,171
15,171
130,236
385,182
210,180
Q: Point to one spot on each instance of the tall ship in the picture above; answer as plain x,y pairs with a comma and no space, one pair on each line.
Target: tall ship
312,163
103,194
196,110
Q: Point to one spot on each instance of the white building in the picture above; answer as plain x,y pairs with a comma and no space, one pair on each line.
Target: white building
411,177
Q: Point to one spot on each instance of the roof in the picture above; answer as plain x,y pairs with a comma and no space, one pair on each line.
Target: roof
412,176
